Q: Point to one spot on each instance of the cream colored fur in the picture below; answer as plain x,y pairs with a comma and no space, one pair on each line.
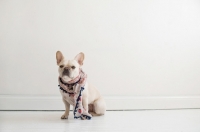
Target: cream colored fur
93,102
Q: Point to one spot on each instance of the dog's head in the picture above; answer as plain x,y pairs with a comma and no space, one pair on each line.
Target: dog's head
69,69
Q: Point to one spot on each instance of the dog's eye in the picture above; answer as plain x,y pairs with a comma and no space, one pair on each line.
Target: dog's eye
61,66
73,67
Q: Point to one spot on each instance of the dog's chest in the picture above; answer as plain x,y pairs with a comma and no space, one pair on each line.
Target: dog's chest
70,98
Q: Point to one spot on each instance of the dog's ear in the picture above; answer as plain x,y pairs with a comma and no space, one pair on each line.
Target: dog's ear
59,57
79,58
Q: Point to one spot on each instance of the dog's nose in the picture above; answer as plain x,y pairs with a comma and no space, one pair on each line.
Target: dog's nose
66,71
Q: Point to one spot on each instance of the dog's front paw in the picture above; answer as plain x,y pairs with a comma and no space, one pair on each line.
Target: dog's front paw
64,116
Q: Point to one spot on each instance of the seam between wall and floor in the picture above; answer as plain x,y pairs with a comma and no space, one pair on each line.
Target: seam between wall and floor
114,103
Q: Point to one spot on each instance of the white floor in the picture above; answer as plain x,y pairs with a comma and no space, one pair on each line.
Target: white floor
113,121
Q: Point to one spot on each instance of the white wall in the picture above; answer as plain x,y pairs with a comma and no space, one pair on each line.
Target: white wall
132,48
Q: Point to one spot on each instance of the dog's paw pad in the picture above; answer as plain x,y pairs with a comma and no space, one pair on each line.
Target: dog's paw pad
64,117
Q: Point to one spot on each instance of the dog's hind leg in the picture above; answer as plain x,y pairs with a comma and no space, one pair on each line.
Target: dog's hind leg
99,107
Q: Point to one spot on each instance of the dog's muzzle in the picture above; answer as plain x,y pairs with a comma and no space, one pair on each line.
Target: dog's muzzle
66,72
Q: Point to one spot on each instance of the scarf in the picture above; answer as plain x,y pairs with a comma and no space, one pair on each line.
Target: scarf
74,90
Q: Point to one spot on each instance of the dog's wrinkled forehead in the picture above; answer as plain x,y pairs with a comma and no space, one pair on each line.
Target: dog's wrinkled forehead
69,63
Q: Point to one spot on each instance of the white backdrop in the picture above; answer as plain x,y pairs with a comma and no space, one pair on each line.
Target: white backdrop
132,48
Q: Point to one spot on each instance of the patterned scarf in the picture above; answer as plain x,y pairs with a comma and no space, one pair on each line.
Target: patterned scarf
74,89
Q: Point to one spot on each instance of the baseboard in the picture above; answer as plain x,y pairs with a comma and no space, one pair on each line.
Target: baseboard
19,102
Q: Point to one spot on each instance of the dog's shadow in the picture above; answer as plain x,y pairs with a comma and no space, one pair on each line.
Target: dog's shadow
45,120
34,116
38,116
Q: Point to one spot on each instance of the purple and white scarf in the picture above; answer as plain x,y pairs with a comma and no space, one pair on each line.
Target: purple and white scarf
74,89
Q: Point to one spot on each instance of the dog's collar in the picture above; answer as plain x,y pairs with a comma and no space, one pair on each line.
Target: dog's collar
67,86
70,84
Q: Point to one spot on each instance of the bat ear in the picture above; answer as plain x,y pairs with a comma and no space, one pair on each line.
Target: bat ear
59,57
80,58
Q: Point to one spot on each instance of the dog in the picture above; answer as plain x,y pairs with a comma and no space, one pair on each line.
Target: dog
69,70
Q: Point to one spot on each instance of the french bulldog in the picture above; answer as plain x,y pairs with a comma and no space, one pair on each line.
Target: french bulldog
69,70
